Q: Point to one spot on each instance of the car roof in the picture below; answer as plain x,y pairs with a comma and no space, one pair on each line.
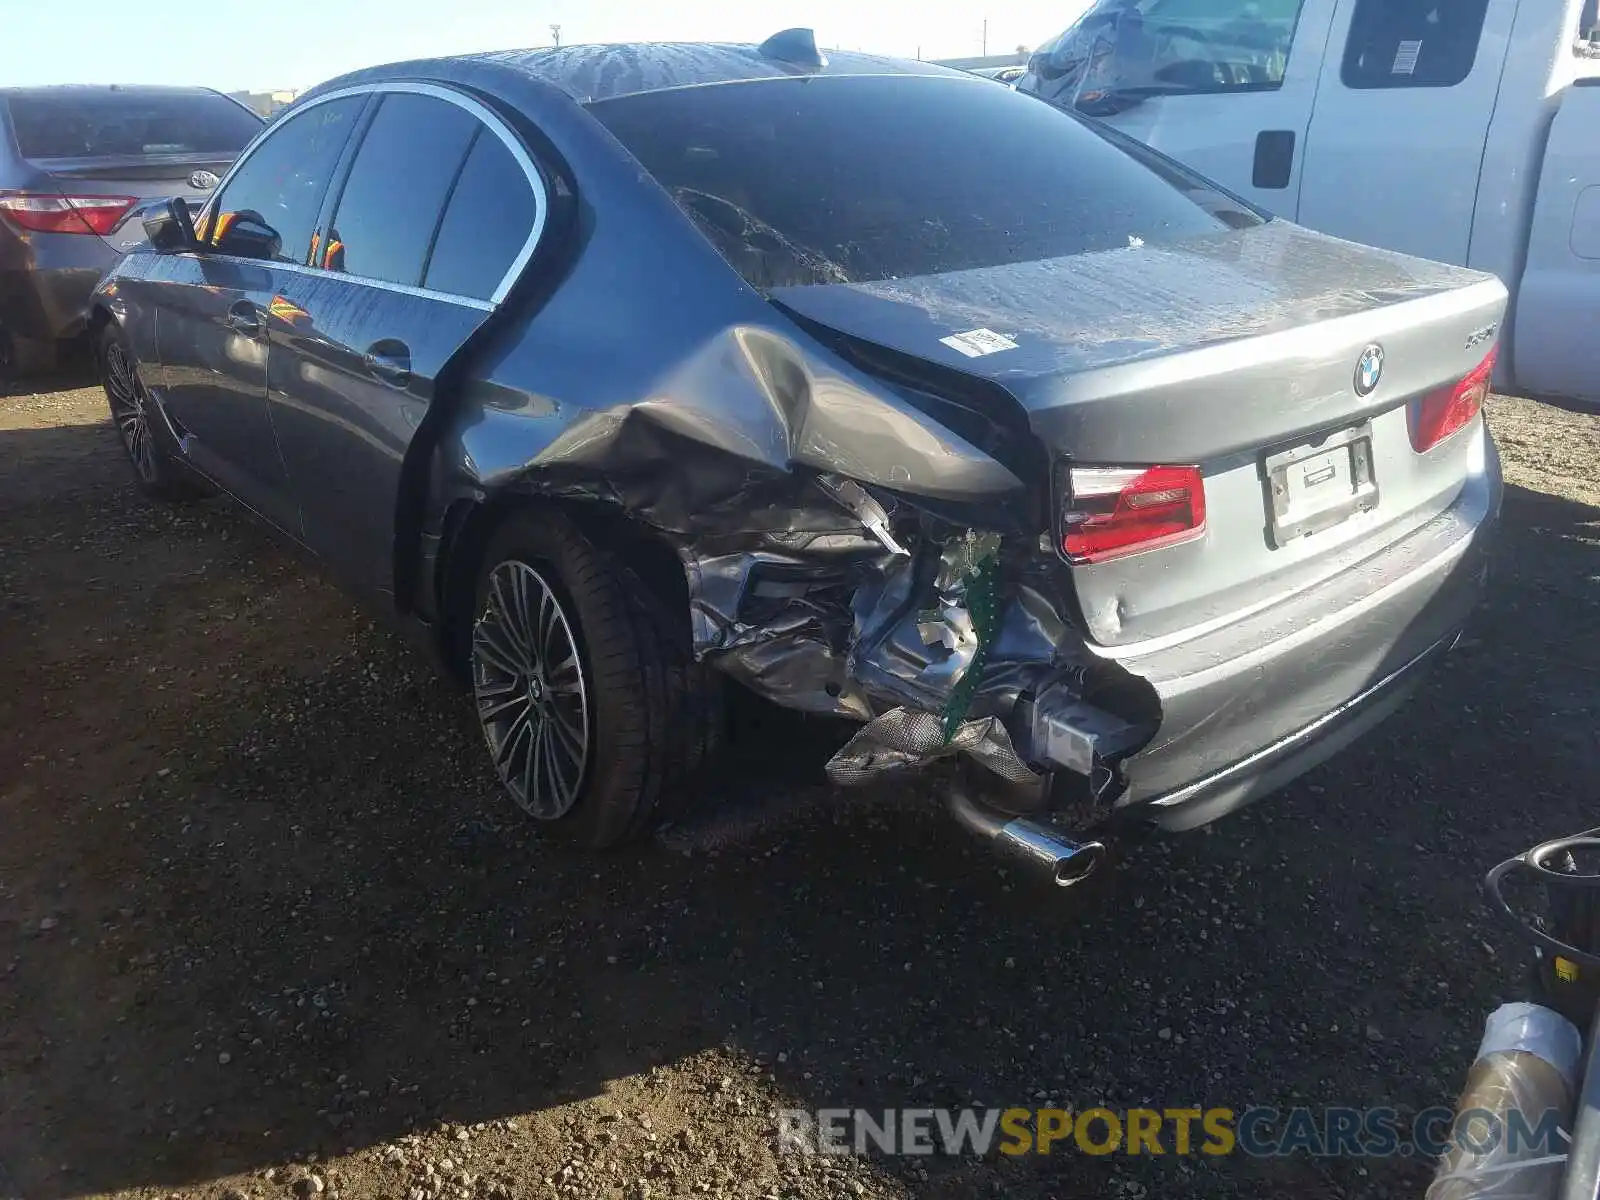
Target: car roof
602,72
105,89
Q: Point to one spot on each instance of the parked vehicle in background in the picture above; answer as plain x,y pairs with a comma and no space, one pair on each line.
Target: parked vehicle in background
1036,448
74,161
1008,75
1463,132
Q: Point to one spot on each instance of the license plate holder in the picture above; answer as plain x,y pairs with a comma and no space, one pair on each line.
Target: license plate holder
1320,483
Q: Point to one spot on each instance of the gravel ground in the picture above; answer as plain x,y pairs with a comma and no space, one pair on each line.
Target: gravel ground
267,930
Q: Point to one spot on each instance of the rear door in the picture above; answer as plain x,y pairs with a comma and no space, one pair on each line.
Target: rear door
1556,351
439,210
1396,142
1224,86
212,326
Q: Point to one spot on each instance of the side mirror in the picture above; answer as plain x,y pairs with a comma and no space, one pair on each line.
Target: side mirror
169,227
247,235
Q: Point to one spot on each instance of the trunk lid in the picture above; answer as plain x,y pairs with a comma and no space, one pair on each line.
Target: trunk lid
142,177
1220,352
135,143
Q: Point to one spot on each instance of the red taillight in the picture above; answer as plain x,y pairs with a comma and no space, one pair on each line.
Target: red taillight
64,214
1439,414
1112,511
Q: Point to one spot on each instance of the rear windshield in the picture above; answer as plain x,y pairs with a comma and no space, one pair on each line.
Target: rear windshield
846,179
129,124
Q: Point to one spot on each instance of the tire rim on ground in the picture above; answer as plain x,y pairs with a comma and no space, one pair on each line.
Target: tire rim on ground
532,697
127,398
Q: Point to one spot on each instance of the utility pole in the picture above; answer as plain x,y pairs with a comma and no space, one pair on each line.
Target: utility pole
986,37
555,32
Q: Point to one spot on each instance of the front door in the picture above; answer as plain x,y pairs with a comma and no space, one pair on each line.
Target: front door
213,375
1223,86
438,211
212,331
1397,139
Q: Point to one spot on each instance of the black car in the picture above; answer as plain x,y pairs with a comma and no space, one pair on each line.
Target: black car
884,392
75,162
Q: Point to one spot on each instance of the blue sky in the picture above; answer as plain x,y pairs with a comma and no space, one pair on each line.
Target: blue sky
296,43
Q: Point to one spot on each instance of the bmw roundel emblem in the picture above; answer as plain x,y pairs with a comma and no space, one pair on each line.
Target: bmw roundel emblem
1369,369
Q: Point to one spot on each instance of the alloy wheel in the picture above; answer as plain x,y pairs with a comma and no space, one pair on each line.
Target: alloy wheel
531,692
127,396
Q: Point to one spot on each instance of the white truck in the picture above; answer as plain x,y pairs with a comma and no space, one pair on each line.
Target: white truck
1461,130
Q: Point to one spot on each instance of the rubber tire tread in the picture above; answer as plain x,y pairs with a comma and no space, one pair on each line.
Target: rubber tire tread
650,735
173,482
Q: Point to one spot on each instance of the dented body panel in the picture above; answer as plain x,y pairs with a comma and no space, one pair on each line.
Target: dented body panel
861,487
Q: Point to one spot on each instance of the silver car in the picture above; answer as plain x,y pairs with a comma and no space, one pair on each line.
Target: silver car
76,164
878,390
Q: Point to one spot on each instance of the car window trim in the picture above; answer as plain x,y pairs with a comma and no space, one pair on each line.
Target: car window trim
384,284
486,117
334,192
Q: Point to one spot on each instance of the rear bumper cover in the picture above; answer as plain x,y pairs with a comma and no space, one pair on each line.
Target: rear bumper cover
47,280
48,304
1249,706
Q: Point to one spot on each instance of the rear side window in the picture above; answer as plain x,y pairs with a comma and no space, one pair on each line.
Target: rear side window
486,224
129,124
1412,43
394,197
837,179
269,207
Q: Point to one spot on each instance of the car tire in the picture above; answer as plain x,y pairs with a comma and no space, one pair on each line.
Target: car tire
138,428
598,721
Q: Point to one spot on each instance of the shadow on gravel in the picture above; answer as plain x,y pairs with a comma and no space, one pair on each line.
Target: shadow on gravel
319,927
76,370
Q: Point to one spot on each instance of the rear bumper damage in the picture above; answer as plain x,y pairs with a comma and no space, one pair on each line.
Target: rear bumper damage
942,645
949,646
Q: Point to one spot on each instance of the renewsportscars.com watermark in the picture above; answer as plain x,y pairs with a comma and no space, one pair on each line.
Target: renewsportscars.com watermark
1259,1132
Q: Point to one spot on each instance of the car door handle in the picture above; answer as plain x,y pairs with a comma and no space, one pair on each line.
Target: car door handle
388,362
1274,162
243,318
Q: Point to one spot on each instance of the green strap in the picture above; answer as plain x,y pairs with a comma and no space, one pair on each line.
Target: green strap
982,602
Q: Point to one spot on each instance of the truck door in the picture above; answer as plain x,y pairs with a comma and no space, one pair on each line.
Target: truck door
1556,352
1224,86
1396,142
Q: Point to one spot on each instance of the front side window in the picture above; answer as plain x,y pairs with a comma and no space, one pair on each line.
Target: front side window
846,179
488,221
393,200
1412,43
269,208
1121,51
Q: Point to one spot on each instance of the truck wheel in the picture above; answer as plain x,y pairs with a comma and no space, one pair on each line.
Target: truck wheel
137,425
596,716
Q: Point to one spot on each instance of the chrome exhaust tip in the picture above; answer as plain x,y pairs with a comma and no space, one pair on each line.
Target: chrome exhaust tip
1029,843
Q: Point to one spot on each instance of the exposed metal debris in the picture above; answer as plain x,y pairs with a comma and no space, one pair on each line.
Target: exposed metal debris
917,628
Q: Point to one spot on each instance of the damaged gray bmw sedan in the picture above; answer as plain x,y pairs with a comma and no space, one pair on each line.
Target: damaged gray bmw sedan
884,392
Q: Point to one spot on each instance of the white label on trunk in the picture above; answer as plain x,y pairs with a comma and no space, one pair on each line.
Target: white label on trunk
1405,58
975,343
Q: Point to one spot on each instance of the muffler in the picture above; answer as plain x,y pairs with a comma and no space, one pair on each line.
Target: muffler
1028,842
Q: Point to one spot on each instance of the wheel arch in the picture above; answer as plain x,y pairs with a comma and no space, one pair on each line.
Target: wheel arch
469,523
100,315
